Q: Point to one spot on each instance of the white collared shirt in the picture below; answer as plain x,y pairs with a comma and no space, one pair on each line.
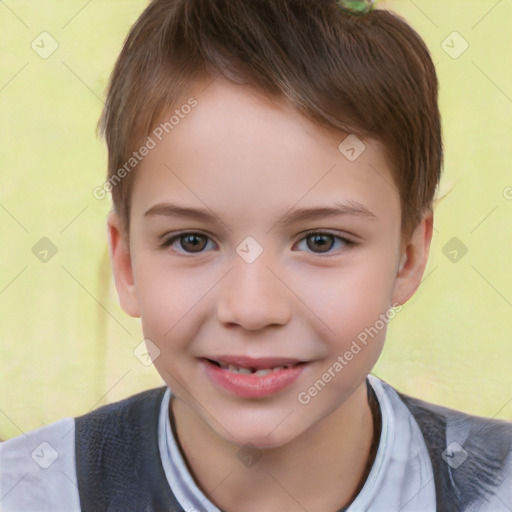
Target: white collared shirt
401,478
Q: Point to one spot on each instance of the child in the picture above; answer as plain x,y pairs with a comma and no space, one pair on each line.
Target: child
253,131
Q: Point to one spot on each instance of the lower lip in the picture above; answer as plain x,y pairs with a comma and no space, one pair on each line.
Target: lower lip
252,386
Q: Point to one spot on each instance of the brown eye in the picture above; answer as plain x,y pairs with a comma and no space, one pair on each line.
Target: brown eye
188,243
320,242
193,242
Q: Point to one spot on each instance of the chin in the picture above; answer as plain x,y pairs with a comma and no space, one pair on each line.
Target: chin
261,440
272,433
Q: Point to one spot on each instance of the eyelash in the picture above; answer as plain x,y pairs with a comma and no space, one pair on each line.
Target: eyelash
347,243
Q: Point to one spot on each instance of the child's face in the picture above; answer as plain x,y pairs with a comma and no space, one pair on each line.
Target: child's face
249,165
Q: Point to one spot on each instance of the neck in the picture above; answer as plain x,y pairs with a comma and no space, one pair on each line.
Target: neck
322,469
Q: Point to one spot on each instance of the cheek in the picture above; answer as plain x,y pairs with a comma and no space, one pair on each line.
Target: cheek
350,299
355,318
168,298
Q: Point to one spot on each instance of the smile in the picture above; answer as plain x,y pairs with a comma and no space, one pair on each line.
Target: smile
252,370
252,378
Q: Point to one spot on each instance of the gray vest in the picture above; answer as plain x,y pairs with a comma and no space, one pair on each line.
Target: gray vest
119,469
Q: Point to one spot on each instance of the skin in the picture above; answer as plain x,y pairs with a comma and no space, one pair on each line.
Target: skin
250,160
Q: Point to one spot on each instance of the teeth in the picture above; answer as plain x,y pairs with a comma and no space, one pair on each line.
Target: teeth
252,371
262,373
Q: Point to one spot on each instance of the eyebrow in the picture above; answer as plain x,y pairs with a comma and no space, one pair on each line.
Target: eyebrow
291,216
352,208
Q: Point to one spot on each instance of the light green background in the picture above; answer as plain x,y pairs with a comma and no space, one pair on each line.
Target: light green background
66,346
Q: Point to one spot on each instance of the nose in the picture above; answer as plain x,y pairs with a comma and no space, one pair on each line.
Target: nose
252,297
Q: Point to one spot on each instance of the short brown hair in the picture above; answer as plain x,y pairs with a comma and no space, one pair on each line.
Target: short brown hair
369,75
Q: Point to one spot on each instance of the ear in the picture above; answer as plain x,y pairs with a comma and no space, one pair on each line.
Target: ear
121,261
413,260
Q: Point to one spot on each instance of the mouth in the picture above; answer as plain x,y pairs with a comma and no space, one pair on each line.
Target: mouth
251,378
257,367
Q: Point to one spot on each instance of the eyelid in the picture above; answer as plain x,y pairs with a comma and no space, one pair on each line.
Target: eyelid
346,242
168,239
347,237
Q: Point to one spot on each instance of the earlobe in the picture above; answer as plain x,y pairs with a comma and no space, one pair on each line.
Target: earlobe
121,262
413,261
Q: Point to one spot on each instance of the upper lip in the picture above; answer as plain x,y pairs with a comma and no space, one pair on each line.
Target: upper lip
258,363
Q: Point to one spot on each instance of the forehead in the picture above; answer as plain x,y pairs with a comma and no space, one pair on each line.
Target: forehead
240,151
